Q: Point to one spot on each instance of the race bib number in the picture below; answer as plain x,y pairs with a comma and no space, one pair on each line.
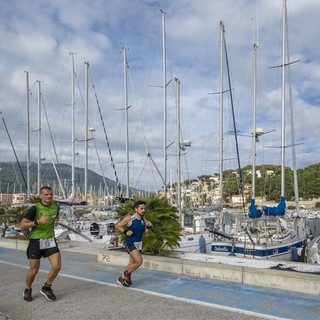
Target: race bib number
138,245
47,243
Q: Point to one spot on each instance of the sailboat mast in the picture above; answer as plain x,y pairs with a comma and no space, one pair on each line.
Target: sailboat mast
284,10
178,149
253,212
73,129
164,68
39,136
28,135
126,107
254,133
293,138
221,107
86,132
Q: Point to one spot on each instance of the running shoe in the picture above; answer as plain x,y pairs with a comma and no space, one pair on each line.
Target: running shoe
127,276
122,282
47,292
27,295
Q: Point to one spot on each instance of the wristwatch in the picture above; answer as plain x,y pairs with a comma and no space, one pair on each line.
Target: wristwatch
36,222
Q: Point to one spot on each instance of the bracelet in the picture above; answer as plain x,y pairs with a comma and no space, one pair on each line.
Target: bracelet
148,227
36,222
125,231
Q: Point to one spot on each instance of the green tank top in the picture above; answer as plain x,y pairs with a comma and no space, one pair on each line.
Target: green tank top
45,231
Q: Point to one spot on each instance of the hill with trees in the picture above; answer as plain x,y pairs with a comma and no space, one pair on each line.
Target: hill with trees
267,181
13,178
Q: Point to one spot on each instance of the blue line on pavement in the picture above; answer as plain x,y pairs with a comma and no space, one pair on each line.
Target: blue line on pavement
271,302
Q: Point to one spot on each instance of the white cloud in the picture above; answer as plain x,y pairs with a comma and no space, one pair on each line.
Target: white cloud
38,36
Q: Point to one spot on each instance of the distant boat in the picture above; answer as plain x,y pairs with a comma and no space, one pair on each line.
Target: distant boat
71,201
312,254
97,232
195,237
271,237
87,224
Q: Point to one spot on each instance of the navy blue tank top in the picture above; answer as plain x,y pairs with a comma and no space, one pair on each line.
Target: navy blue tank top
138,228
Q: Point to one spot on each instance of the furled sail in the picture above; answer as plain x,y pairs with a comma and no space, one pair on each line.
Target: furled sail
279,210
253,211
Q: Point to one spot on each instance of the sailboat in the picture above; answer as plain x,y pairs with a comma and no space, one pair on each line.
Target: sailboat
206,227
267,233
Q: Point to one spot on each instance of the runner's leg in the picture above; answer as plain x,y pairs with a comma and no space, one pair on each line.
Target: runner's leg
55,260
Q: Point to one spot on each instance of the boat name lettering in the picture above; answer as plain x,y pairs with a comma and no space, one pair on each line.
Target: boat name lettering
218,248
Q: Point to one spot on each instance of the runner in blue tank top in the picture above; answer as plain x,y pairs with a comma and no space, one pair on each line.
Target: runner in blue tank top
134,227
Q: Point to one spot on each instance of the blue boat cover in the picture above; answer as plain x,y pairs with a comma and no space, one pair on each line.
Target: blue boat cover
279,210
253,211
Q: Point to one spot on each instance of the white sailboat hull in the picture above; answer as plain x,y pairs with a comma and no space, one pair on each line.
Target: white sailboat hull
271,243
195,243
281,251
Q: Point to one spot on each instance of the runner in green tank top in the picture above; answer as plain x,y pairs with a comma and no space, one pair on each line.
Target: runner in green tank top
42,218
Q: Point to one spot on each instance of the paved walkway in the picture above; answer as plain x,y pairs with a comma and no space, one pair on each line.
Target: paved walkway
87,289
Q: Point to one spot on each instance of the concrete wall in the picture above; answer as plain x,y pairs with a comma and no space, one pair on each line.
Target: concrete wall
23,244
268,278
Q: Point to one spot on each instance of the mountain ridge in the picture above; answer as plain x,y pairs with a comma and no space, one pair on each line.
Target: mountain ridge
13,178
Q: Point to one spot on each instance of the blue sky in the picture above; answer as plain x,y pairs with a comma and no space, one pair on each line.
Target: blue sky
38,36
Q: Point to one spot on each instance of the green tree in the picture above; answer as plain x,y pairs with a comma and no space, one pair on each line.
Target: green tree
231,184
165,233
11,215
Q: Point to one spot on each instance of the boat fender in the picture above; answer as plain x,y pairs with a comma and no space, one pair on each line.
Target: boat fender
294,254
303,256
94,229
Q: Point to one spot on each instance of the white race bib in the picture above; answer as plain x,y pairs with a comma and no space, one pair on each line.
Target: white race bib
47,243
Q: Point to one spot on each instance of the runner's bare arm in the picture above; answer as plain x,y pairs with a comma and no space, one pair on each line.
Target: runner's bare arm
121,225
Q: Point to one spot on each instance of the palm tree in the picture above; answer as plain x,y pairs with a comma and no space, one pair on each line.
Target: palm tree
11,215
165,233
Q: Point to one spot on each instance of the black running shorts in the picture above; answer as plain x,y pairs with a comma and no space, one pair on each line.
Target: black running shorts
34,251
130,247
